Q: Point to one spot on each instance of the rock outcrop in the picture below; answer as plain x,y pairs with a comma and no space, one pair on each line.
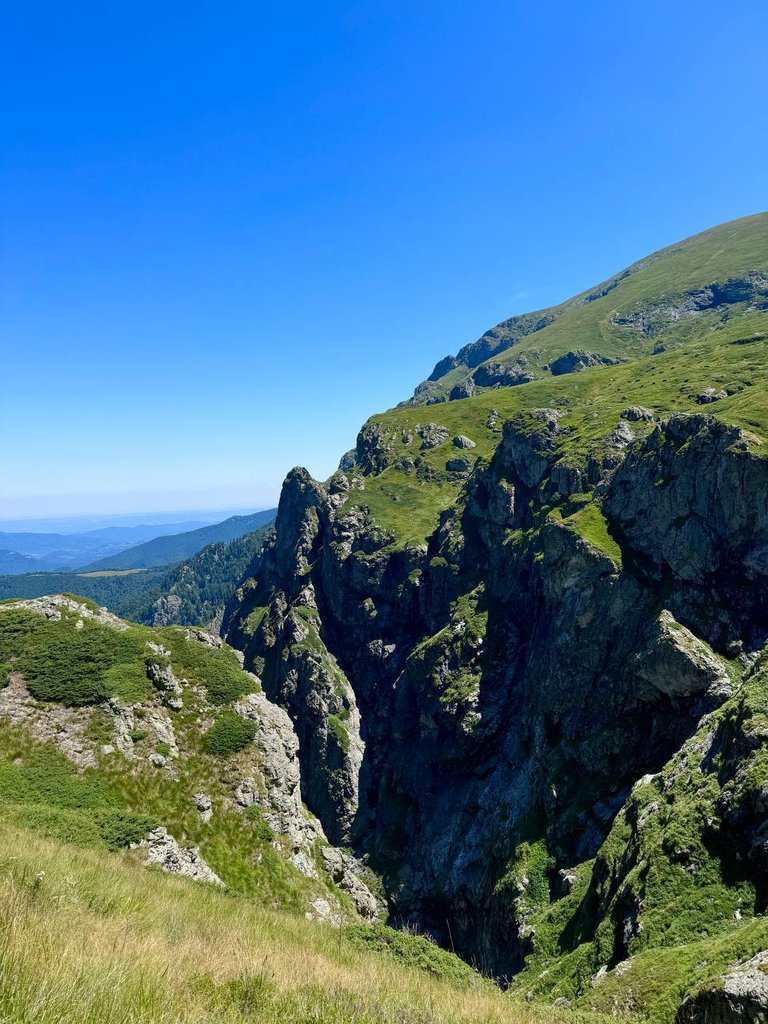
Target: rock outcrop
477,710
161,850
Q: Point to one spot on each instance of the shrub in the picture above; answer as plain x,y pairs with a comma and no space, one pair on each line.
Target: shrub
414,950
218,669
336,725
119,828
262,828
69,666
229,734
60,823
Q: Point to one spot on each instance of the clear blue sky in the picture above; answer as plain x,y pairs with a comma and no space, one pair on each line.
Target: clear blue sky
232,231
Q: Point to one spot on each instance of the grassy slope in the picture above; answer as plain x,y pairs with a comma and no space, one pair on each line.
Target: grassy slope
727,251
93,938
94,662
732,357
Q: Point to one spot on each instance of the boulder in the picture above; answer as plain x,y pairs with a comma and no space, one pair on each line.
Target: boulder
161,849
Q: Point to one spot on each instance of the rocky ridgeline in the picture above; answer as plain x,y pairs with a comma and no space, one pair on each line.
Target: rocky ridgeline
473,713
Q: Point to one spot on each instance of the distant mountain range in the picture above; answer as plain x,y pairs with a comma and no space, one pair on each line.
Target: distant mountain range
168,550
192,591
46,552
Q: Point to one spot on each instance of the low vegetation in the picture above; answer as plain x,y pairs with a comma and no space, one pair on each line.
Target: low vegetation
88,937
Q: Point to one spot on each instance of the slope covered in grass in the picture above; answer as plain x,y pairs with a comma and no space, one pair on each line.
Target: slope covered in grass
92,938
411,485
661,301
109,730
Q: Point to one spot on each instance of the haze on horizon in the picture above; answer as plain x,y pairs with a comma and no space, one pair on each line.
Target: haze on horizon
230,237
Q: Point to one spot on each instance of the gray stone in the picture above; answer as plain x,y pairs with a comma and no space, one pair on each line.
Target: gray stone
460,441
637,413
162,850
204,804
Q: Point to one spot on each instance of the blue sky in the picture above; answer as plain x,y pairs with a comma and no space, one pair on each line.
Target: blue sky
231,232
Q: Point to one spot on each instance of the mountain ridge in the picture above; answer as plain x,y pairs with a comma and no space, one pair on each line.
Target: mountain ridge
691,266
489,583
174,548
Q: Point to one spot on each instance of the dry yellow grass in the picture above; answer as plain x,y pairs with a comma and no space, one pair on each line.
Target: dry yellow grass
87,937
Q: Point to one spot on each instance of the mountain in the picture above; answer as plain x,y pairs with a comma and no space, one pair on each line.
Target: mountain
197,591
44,552
12,562
170,549
194,592
521,638
654,305
502,679
124,747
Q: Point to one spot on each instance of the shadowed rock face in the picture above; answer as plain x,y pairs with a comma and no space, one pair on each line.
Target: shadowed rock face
507,683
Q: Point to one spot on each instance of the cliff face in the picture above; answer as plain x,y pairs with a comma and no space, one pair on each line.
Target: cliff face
473,712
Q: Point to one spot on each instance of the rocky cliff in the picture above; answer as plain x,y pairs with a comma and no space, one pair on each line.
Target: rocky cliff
511,639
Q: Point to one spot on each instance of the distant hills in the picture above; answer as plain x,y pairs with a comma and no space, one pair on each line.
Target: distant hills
193,591
168,550
22,551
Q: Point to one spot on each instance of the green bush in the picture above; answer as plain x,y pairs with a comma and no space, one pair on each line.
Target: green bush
336,726
229,734
64,664
67,826
414,950
48,795
262,828
119,828
218,669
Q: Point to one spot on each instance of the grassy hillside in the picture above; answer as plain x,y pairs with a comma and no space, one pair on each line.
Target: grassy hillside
94,751
406,497
88,933
169,550
647,306
92,938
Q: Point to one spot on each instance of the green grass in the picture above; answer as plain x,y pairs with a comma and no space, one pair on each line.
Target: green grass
728,251
217,669
590,524
71,662
591,402
88,937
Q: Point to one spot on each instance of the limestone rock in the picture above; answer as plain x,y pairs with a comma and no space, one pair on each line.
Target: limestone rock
461,441
344,870
709,395
637,414
579,359
204,805
740,997
432,435
678,664
161,849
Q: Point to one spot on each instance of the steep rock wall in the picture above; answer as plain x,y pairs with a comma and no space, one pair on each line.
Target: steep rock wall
472,713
